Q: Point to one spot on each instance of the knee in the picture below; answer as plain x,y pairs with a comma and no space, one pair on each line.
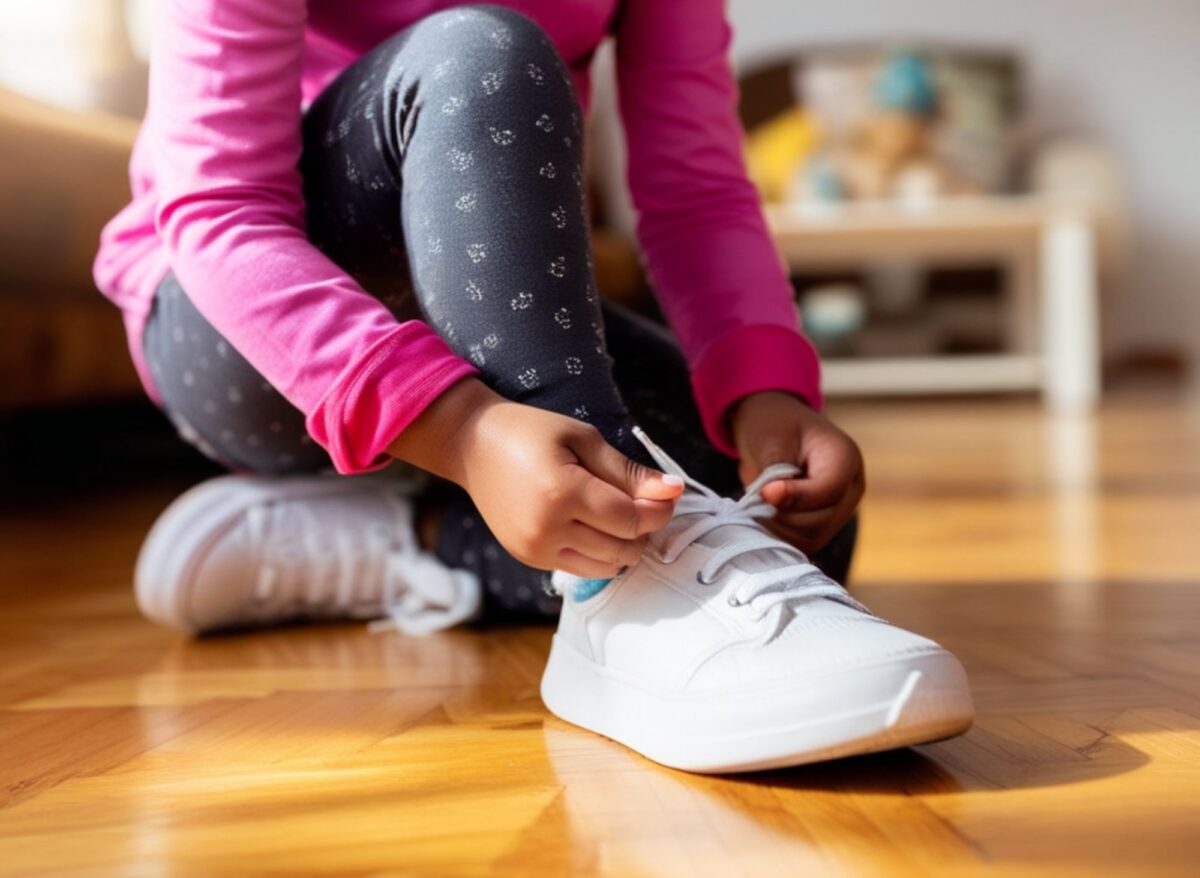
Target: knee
496,46
475,26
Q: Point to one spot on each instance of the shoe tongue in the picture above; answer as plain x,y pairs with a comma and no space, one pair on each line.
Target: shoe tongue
757,561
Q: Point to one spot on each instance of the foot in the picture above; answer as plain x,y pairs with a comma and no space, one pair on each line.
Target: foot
242,551
723,649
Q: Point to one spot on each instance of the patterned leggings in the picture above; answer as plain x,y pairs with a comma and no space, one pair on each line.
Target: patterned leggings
443,171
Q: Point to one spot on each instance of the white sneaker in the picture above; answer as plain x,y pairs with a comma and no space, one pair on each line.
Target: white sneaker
240,551
723,649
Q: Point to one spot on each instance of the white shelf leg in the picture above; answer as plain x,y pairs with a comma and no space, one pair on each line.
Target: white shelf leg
1070,320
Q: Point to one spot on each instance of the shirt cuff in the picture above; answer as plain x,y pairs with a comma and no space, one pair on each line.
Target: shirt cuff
374,400
750,360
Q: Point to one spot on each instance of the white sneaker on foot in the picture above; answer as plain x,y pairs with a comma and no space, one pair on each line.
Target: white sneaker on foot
723,649
241,551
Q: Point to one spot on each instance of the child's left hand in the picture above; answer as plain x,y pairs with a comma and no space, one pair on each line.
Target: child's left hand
775,427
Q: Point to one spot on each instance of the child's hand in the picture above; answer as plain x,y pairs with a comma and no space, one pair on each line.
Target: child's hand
775,427
553,491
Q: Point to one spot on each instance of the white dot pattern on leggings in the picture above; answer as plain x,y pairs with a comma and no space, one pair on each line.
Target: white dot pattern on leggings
526,144
478,99
501,37
502,136
460,159
491,82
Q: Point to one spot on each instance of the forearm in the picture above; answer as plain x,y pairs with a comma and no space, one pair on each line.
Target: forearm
437,439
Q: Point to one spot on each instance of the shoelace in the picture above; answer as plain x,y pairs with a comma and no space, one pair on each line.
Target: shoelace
413,608
795,580
307,567
339,571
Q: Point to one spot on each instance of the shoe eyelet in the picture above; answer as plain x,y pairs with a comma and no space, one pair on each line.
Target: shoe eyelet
733,601
700,580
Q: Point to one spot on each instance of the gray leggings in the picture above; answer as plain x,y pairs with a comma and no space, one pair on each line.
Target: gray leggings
443,171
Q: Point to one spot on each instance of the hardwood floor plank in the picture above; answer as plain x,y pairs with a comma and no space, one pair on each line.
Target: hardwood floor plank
1058,559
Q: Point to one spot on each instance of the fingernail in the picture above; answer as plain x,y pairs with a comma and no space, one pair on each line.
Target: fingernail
671,479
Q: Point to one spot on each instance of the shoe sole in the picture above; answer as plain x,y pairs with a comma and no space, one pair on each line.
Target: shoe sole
913,699
192,524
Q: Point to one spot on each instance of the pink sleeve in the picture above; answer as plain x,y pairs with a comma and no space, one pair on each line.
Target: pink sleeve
224,121
700,225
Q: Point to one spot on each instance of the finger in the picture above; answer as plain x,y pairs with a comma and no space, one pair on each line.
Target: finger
841,516
816,518
602,547
806,522
634,479
829,470
581,565
654,515
807,494
810,531
781,493
611,511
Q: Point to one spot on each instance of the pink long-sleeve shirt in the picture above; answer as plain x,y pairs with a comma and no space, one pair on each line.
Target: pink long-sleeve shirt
217,199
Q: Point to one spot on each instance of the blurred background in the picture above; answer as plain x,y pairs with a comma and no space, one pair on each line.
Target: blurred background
975,201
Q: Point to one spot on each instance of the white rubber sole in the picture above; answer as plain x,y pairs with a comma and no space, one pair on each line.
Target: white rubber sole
181,537
912,699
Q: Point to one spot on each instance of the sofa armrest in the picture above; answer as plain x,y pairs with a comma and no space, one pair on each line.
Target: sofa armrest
63,174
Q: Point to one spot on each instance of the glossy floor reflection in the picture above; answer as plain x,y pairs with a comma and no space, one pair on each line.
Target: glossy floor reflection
1058,559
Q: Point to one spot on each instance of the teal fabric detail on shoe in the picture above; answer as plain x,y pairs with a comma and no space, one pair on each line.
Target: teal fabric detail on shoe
588,588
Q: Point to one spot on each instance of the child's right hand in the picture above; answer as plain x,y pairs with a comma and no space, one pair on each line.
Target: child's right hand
553,491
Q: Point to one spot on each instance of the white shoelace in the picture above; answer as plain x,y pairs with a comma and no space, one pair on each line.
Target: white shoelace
795,579
308,567
305,566
414,603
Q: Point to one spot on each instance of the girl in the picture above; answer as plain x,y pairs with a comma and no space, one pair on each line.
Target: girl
358,234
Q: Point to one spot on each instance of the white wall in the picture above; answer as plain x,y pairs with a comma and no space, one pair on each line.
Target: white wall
1126,71
72,53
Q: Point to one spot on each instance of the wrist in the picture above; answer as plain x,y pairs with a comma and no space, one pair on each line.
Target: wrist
438,439
761,407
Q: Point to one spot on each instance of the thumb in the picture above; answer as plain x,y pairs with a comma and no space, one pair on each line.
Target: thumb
781,492
634,479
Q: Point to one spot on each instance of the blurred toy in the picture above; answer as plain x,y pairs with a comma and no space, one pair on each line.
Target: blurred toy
892,154
775,149
831,314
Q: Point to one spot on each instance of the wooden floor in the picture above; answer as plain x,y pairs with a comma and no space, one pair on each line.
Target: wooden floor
1060,560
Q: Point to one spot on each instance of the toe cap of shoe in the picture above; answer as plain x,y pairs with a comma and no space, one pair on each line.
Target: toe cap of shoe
812,647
